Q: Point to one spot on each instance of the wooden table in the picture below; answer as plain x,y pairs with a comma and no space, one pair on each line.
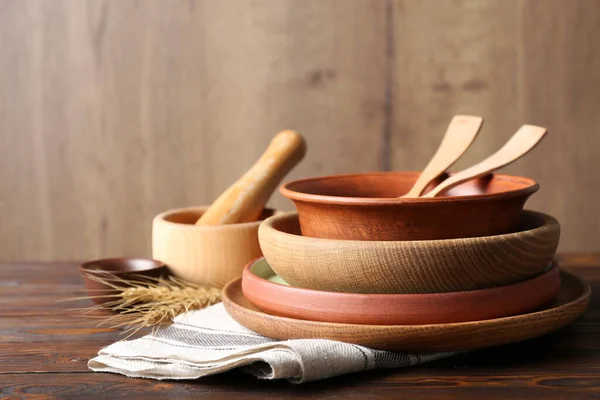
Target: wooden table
44,352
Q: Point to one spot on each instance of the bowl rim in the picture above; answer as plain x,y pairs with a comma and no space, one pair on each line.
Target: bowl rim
287,190
161,218
551,269
549,223
84,267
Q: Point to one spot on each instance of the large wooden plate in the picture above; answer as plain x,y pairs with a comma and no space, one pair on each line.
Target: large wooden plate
570,303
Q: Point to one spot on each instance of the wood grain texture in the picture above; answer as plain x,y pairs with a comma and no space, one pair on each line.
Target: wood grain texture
434,386
49,351
114,111
513,62
408,267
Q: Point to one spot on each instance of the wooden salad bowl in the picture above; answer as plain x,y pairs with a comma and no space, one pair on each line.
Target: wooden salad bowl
367,207
263,288
427,266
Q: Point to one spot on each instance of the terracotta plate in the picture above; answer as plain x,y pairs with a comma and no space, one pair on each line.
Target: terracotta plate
571,302
264,288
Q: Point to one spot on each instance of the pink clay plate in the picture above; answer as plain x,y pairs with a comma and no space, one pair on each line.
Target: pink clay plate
267,291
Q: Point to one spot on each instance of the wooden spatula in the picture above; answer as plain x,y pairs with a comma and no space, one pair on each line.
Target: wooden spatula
526,138
461,132
244,201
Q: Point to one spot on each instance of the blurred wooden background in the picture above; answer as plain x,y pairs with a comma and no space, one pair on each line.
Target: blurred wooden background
111,111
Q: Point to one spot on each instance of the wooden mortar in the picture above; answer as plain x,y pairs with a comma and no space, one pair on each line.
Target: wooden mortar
209,255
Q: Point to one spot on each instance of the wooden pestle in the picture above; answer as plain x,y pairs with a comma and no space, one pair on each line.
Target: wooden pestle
244,201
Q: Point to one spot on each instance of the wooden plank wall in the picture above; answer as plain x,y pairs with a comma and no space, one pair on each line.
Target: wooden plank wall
114,110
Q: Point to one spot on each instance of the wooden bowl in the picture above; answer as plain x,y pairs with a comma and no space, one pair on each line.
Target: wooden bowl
428,266
571,302
367,207
116,270
264,289
209,255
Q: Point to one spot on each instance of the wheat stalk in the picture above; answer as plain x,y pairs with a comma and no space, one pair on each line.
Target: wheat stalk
149,302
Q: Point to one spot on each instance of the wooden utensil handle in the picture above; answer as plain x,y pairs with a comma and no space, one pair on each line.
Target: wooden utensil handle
461,132
244,201
523,141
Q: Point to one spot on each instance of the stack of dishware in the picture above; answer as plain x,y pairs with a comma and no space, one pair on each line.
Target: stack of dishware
411,261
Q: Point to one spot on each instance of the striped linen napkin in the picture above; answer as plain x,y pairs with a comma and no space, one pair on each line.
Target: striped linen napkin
209,341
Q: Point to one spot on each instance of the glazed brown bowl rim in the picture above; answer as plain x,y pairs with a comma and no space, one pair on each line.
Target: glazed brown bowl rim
552,268
287,190
162,217
547,222
84,267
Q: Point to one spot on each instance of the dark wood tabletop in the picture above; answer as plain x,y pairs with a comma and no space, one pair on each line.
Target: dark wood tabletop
44,351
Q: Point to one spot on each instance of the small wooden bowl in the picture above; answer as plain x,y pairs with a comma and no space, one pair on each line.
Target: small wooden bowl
571,302
261,286
367,207
428,266
116,270
209,255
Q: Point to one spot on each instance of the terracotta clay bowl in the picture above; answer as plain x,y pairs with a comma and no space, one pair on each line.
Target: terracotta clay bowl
367,207
571,302
208,255
427,266
262,287
116,270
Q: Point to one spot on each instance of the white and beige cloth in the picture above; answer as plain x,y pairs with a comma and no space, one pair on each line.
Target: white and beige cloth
209,341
